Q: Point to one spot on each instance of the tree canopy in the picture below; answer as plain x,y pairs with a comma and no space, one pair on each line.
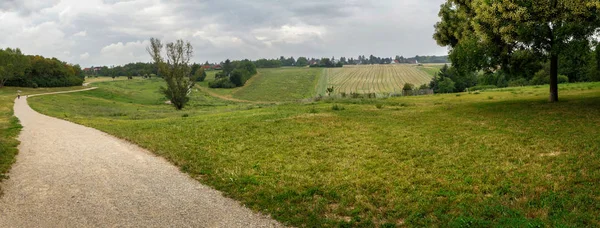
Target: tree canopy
492,34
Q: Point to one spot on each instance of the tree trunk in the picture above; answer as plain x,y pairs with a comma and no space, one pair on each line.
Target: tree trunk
554,78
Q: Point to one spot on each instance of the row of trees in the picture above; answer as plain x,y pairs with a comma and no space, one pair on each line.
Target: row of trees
520,42
17,69
303,61
234,74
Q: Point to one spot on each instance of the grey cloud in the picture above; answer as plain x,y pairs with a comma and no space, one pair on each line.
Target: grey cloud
221,29
26,7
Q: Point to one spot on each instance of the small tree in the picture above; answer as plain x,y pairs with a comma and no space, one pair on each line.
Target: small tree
329,91
408,86
175,69
200,75
446,85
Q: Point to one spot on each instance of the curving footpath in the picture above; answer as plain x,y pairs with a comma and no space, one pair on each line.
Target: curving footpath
68,175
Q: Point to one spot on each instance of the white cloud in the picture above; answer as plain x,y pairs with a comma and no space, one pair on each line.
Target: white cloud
294,34
128,52
81,34
84,56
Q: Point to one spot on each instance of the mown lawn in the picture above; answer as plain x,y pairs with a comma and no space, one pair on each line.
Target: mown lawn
491,158
9,124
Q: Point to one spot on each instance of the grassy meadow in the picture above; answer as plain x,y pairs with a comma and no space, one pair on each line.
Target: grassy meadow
9,124
271,85
489,158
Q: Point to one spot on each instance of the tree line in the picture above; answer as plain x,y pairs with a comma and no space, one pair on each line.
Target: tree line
512,43
17,69
338,62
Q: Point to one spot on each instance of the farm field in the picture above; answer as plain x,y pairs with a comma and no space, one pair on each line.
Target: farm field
504,158
431,69
374,78
273,85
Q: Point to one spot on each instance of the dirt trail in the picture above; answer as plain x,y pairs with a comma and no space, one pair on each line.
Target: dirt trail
68,175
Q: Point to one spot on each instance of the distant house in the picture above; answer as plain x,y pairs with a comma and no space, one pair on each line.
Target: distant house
217,67
206,67
396,61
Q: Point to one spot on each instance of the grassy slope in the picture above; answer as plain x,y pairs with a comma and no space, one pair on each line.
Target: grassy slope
272,85
431,69
498,158
9,125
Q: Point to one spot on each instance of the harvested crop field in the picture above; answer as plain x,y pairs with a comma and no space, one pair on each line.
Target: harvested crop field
374,78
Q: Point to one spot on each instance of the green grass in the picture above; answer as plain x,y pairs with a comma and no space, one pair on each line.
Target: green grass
9,124
444,160
431,69
272,85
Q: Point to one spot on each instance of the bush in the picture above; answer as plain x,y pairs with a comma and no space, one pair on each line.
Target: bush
563,79
542,77
337,107
482,87
221,83
408,86
424,86
379,106
200,75
518,82
446,86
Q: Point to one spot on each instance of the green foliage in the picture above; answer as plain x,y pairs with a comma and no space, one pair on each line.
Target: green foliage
563,79
482,87
302,61
518,36
222,83
17,69
234,74
408,86
337,107
200,75
447,86
518,82
266,63
176,70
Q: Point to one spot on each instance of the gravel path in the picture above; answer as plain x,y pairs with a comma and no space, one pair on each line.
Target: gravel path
68,175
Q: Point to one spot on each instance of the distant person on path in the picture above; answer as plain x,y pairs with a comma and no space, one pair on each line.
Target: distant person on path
18,95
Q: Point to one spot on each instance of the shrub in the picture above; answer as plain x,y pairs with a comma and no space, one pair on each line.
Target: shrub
563,79
200,75
518,82
221,83
337,107
424,86
379,106
446,86
408,86
482,87
542,77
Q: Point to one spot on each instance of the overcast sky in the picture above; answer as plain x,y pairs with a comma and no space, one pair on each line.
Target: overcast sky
116,32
